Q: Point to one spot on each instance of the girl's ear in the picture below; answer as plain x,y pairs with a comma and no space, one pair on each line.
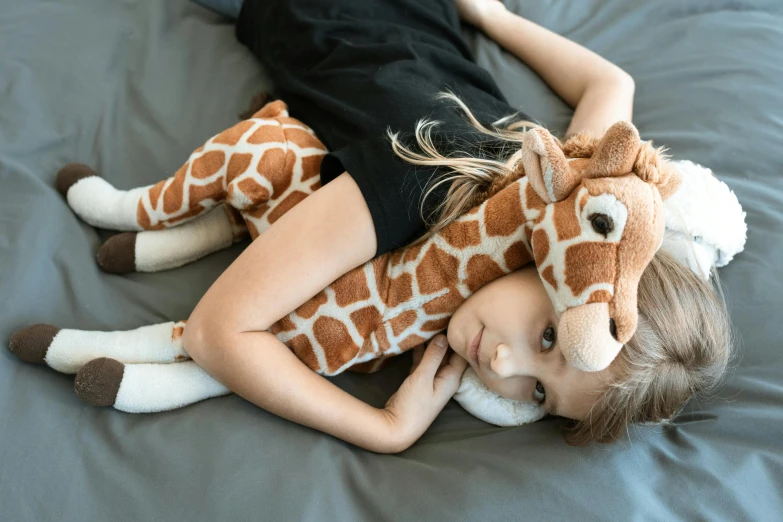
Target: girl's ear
546,166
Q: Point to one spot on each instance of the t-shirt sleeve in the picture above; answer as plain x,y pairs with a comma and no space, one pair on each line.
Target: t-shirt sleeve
392,188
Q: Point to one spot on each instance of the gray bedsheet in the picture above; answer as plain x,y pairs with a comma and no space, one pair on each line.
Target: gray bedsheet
133,87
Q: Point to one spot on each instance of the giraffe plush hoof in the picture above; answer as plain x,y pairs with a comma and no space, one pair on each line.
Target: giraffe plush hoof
118,254
70,174
32,343
98,382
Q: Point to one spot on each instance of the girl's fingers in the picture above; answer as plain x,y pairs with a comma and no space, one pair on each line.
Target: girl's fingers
449,377
417,354
433,356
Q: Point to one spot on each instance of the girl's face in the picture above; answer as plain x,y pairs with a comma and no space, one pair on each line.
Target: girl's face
515,327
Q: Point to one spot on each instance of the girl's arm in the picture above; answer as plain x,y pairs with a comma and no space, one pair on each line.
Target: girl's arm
600,92
320,239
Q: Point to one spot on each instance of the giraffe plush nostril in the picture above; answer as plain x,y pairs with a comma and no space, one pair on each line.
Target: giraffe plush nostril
613,328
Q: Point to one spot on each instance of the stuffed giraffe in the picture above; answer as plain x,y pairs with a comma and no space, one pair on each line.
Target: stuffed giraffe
591,222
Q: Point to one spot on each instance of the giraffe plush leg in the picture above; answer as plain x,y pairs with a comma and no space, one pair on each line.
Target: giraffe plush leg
96,201
156,250
68,350
145,388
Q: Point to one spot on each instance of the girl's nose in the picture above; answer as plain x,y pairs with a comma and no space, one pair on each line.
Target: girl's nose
507,362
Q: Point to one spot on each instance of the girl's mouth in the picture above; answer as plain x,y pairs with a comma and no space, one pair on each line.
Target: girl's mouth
474,347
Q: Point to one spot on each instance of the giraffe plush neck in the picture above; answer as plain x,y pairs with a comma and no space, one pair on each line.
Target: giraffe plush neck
591,222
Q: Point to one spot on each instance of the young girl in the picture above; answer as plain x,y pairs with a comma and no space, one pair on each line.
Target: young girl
353,69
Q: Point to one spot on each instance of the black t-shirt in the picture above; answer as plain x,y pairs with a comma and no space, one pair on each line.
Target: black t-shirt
351,69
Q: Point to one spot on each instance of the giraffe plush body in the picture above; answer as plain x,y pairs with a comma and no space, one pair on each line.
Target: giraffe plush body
591,222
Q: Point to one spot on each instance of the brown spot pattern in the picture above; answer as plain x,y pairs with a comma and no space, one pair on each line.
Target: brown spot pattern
193,212
583,201
338,346
142,218
445,304
400,290
411,341
402,321
259,211
266,134
253,191
199,193
172,197
540,243
435,325
252,230
589,263
548,275
411,253
529,234
366,320
303,350
383,339
231,136
237,165
287,204
311,166
272,166
396,257
154,193
436,271
565,219
302,139
351,287
516,256
503,212
177,333
481,270
532,199
309,307
462,234
599,296
283,325
379,269
207,165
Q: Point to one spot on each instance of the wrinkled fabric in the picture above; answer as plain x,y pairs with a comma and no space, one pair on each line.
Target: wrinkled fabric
131,88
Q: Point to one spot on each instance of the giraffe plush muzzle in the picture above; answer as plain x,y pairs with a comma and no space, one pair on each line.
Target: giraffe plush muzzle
585,337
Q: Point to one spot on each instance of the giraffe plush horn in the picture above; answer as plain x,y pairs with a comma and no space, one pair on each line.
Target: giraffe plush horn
616,153
547,167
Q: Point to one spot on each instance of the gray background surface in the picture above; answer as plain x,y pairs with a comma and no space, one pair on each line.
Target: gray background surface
132,87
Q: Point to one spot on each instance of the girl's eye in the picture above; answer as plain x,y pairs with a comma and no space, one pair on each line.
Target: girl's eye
548,338
540,394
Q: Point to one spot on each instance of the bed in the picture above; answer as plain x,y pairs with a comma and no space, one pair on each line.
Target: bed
133,87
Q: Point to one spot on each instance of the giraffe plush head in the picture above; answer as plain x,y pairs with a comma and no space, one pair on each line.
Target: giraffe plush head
599,224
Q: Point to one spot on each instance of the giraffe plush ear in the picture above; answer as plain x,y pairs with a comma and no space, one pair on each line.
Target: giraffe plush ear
546,166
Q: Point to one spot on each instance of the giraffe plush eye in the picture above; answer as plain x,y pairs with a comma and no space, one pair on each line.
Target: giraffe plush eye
602,224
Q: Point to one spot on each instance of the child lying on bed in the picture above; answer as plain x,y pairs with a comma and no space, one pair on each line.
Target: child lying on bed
349,70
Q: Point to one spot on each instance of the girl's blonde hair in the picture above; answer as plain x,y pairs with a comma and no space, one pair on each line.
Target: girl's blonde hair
682,343
471,179
681,348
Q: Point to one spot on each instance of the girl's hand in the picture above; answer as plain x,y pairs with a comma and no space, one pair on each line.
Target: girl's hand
475,12
433,380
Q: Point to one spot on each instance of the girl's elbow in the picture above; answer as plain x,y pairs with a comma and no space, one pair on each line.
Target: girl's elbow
625,81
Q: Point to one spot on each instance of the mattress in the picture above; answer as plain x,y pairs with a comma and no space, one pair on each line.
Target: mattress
133,87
